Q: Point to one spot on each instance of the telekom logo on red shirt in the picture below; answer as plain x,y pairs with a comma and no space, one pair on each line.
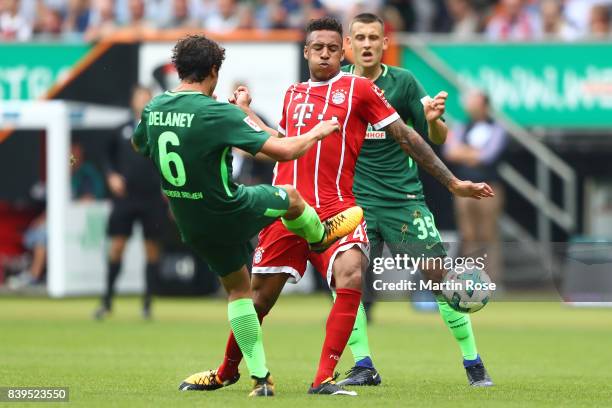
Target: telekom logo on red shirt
302,111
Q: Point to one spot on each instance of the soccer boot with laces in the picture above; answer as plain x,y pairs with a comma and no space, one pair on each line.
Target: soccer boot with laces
337,227
358,376
206,381
330,387
477,373
262,387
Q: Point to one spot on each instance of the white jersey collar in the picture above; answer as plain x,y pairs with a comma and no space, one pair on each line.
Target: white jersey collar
329,81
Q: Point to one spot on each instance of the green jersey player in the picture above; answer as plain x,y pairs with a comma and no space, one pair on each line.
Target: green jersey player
189,137
388,188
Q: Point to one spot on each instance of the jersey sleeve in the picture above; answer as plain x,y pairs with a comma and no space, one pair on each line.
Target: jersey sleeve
244,132
140,141
414,94
373,105
283,122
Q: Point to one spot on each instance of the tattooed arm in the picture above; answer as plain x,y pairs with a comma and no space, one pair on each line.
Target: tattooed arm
416,147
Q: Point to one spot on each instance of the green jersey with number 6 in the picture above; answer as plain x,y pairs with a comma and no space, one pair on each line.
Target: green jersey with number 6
190,136
384,175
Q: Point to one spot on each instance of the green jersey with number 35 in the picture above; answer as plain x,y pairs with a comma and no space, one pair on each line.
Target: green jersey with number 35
385,176
189,136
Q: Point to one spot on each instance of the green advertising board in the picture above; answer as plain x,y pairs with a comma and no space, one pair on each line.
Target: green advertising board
27,71
536,84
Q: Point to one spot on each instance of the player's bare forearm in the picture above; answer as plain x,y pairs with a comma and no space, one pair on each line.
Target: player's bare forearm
415,146
264,157
302,144
288,148
258,156
438,131
291,148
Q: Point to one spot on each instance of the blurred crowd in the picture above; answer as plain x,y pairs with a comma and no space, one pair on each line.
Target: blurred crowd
498,20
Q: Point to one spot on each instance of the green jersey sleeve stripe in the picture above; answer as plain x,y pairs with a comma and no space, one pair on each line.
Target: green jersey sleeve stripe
274,213
224,172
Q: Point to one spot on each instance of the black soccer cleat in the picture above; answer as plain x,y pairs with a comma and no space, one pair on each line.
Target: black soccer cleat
206,381
359,376
329,387
477,375
262,387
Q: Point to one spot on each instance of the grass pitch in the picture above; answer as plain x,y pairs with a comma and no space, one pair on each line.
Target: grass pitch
539,354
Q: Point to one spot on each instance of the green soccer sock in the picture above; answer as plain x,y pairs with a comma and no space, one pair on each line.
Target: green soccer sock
245,325
307,225
460,325
358,342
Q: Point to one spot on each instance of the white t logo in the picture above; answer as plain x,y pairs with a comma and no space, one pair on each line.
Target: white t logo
302,111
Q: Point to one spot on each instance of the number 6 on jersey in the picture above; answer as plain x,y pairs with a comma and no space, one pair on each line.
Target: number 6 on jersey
166,157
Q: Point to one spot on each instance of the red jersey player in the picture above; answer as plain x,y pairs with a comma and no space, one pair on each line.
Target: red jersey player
324,177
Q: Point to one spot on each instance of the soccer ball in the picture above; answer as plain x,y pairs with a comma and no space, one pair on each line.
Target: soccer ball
467,292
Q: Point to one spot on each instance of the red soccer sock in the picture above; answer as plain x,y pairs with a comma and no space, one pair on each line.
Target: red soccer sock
233,356
337,331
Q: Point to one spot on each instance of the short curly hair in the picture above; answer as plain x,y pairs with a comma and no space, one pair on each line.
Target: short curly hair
324,23
195,56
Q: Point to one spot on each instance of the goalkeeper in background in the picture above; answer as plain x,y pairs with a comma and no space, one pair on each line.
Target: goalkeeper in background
388,188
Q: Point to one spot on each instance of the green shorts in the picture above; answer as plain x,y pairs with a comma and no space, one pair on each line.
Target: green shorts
409,230
228,248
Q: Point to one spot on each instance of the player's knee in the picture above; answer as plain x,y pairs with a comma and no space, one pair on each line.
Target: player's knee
292,193
349,278
349,267
116,249
296,203
152,251
355,279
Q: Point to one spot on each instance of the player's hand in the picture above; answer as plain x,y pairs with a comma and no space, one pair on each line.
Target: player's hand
116,183
326,128
466,188
435,108
241,97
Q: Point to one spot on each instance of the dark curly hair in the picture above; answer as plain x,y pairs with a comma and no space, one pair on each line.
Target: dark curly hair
194,57
324,23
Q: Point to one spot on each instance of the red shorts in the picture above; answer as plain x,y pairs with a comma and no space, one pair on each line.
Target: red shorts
281,251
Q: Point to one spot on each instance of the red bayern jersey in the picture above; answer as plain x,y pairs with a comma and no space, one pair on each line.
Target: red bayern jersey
324,175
